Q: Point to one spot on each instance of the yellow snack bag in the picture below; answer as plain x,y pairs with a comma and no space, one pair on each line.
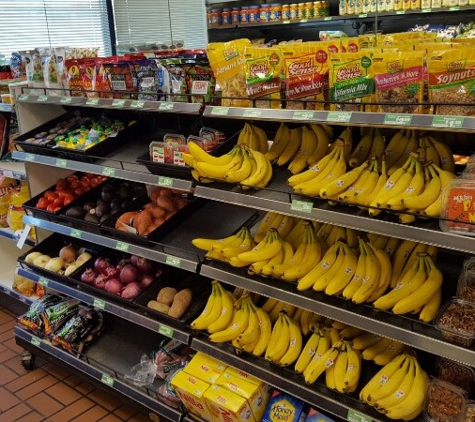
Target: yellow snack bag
350,44
452,80
398,78
351,80
7,185
263,69
227,62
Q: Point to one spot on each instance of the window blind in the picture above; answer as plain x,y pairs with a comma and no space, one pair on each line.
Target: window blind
139,22
25,24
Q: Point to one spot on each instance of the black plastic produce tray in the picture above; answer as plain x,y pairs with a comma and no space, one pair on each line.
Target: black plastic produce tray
168,226
33,211
179,279
92,196
180,172
115,257
51,247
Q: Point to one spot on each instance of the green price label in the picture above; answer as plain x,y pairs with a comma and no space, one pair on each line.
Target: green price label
166,182
363,15
285,22
92,101
303,115
29,157
76,233
35,341
400,12
398,119
173,261
61,162
166,106
448,121
303,20
118,103
107,380
23,97
43,281
121,246
328,18
426,10
302,206
220,111
42,98
137,104
66,100
165,331
354,416
250,112
339,116
108,171
99,304
454,9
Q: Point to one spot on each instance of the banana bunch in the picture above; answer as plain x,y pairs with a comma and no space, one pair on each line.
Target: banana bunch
228,247
253,137
300,146
246,166
328,234
398,390
378,349
417,291
371,145
284,224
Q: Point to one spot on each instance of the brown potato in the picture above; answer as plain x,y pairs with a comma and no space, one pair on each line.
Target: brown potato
166,202
181,303
157,306
166,295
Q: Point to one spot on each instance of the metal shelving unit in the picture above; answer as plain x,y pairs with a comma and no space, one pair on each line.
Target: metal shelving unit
176,331
8,234
6,108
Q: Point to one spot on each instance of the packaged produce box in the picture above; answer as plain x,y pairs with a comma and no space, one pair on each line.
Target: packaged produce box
284,407
226,406
316,416
266,389
205,368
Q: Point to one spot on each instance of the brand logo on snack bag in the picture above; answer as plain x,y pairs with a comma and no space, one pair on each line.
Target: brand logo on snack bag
74,71
456,65
395,66
302,67
259,69
282,411
352,72
230,53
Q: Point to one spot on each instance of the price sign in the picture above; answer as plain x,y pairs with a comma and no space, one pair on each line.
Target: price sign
23,97
165,182
426,10
303,20
302,115
61,162
454,9
285,22
339,116
302,206
165,331
220,111
137,104
166,106
363,15
107,380
108,171
354,416
92,101
42,98
250,112
43,281
76,233
29,157
400,12
398,119
118,103
173,261
448,121
35,341
66,100
99,304
121,246
327,18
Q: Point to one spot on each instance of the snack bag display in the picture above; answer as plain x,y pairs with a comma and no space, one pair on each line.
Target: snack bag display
451,75
73,77
398,78
228,64
7,186
120,79
33,67
201,83
351,80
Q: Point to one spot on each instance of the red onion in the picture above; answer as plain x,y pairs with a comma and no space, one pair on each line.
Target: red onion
111,272
101,263
100,281
146,280
143,265
129,274
122,263
89,276
131,290
113,286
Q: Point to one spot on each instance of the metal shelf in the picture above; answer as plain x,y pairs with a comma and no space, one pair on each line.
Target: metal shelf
406,330
112,167
347,118
175,257
109,103
278,197
102,377
340,405
8,234
6,108
117,309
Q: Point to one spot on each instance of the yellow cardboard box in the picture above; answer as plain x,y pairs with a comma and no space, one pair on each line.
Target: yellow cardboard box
246,389
266,389
191,391
205,368
226,406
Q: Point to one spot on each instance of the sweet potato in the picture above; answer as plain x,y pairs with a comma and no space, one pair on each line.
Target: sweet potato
157,306
166,192
181,303
126,218
156,211
166,295
155,194
142,221
166,202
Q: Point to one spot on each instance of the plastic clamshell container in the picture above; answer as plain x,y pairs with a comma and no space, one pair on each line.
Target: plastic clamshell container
456,373
458,208
470,412
468,264
453,330
466,286
442,402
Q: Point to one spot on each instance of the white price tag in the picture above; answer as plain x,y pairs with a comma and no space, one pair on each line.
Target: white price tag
24,234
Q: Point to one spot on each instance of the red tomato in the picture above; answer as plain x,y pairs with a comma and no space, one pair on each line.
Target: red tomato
89,175
94,182
79,192
68,200
57,209
64,193
51,196
75,185
51,208
59,202
72,178
85,181
85,185
42,204
61,183
87,189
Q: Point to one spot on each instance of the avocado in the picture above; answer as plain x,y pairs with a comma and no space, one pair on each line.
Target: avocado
76,212
91,218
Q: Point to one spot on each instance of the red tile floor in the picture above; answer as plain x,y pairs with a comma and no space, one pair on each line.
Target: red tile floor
48,393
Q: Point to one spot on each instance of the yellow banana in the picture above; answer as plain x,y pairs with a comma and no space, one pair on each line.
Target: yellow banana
318,366
396,147
226,314
371,352
239,324
362,149
365,341
341,279
445,154
262,138
295,343
353,370
338,185
431,308
393,350
279,340
292,147
307,147
201,155
399,259
281,140
211,312
321,149
244,170
385,274
319,169
307,353
214,171
252,333
359,275
415,188
429,195
264,225
339,368
323,267
265,327
264,250
372,276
